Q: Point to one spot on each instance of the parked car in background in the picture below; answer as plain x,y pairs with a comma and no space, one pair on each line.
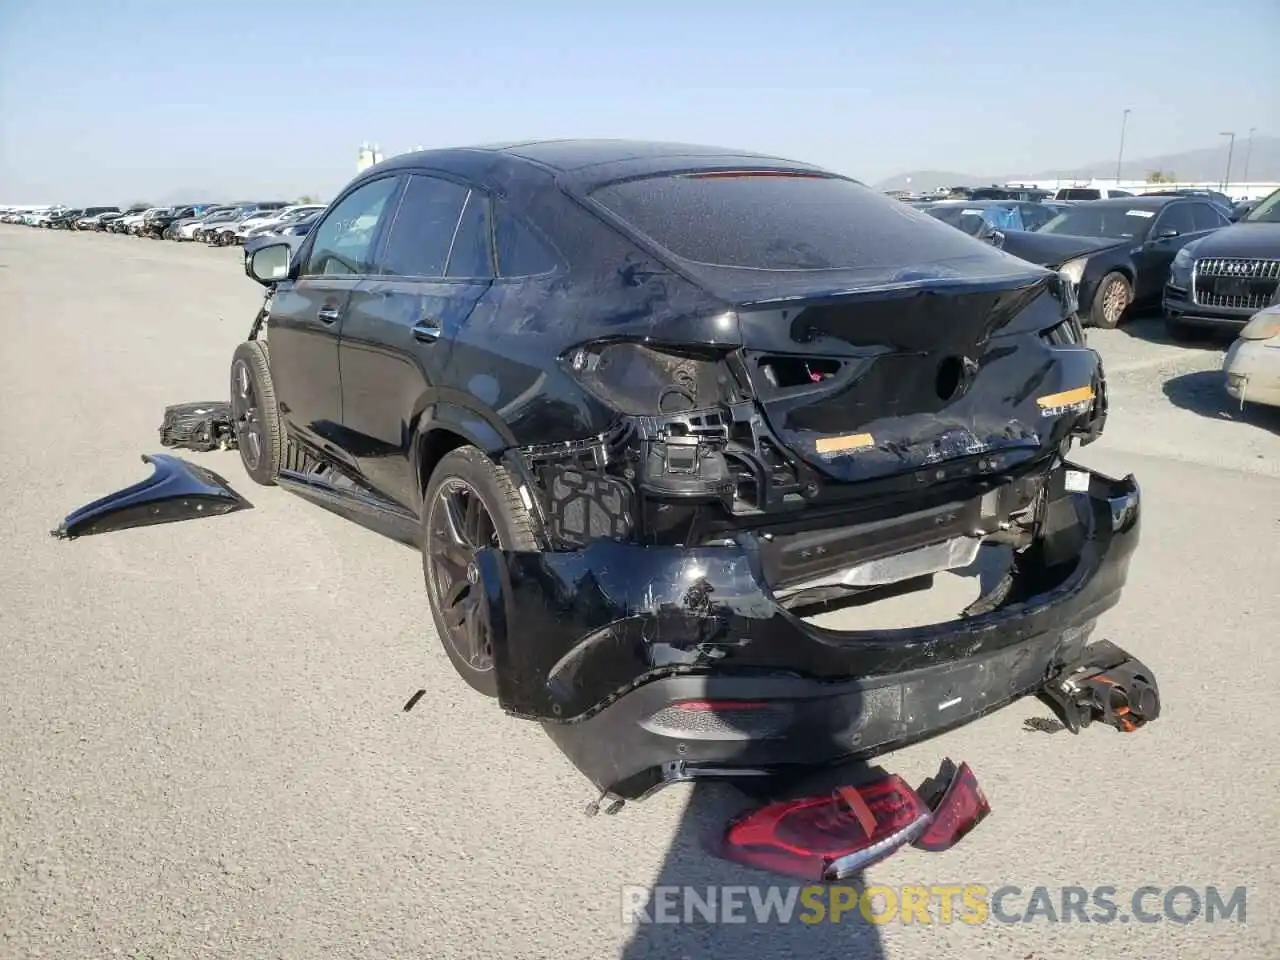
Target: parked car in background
1223,202
158,224
65,219
1223,279
1090,193
300,227
1251,367
1116,252
187,228
981,218
131,216
1243,208
42,218
271,221
224,234
92,217
103,222
153,222
997,192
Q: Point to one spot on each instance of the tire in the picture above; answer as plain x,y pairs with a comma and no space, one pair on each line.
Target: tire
1104,314
467,473
259,430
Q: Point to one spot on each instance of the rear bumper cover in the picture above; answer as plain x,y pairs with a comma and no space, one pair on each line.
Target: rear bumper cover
603,644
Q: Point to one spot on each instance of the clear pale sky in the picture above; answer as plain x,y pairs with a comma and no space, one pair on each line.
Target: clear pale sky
116,100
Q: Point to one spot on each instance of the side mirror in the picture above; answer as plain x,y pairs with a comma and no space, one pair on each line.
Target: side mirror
270,263
1168,233
996,238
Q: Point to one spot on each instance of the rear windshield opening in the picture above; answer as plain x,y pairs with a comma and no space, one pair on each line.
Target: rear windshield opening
782,220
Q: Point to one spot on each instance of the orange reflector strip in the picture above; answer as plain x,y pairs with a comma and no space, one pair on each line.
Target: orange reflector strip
852,441
1067,397
859,808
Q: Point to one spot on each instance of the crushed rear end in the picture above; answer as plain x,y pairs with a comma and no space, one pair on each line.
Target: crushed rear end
830,434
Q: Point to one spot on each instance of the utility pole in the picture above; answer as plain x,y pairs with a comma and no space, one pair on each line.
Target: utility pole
1124,122
1231,148
1248,149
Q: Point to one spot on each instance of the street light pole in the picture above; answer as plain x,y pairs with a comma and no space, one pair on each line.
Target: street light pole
1231,148
1248,149
1124,122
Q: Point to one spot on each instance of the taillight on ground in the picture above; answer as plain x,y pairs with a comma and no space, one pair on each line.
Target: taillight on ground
958,805
828,838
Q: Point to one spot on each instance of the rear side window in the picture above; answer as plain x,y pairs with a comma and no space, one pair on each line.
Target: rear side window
779,220
422,231
521,253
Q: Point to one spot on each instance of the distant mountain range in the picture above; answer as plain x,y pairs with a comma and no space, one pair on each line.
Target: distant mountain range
1207,164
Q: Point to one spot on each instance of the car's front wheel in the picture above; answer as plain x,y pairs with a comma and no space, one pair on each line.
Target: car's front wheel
1112,299
469,503
259,430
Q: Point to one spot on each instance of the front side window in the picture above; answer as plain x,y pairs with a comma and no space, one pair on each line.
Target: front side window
422,232
1267,210
344,241
1176,217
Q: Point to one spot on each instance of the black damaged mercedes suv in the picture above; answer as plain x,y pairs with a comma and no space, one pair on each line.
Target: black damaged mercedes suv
646,407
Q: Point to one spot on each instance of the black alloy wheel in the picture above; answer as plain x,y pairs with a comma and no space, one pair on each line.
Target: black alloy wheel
459,524
248,415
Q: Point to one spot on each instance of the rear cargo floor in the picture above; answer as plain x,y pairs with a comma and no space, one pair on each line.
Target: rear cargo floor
950,593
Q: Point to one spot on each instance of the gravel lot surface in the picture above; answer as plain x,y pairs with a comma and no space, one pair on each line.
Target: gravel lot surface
203,752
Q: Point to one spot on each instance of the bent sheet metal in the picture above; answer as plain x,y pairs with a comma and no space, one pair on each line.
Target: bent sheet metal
176,490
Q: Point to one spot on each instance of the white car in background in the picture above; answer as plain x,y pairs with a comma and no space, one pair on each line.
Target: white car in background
130,222
269,223
1252,364
41,218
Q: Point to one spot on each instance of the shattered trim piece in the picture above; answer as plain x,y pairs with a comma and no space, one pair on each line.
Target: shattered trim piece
176,490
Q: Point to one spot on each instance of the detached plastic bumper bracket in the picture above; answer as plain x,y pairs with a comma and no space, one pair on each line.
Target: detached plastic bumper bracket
1106,685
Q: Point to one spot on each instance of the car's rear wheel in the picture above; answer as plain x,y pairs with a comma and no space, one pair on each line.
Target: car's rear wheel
1111,300
469,503
259,430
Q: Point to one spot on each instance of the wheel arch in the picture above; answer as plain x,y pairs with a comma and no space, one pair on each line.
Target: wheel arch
447,425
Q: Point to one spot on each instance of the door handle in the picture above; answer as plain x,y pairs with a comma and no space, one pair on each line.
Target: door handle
427,331
327,314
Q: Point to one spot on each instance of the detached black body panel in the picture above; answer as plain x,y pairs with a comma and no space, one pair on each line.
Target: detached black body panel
176,490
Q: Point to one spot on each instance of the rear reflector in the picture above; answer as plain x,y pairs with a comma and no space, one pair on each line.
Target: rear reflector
828,838
958,805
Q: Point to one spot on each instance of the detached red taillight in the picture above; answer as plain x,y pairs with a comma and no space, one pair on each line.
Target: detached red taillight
958,805
829,838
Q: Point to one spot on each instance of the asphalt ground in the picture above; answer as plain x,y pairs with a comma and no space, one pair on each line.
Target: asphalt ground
203,752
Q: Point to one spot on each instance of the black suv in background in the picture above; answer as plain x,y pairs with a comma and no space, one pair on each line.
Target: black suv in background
1219,282
645,408
1116,252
